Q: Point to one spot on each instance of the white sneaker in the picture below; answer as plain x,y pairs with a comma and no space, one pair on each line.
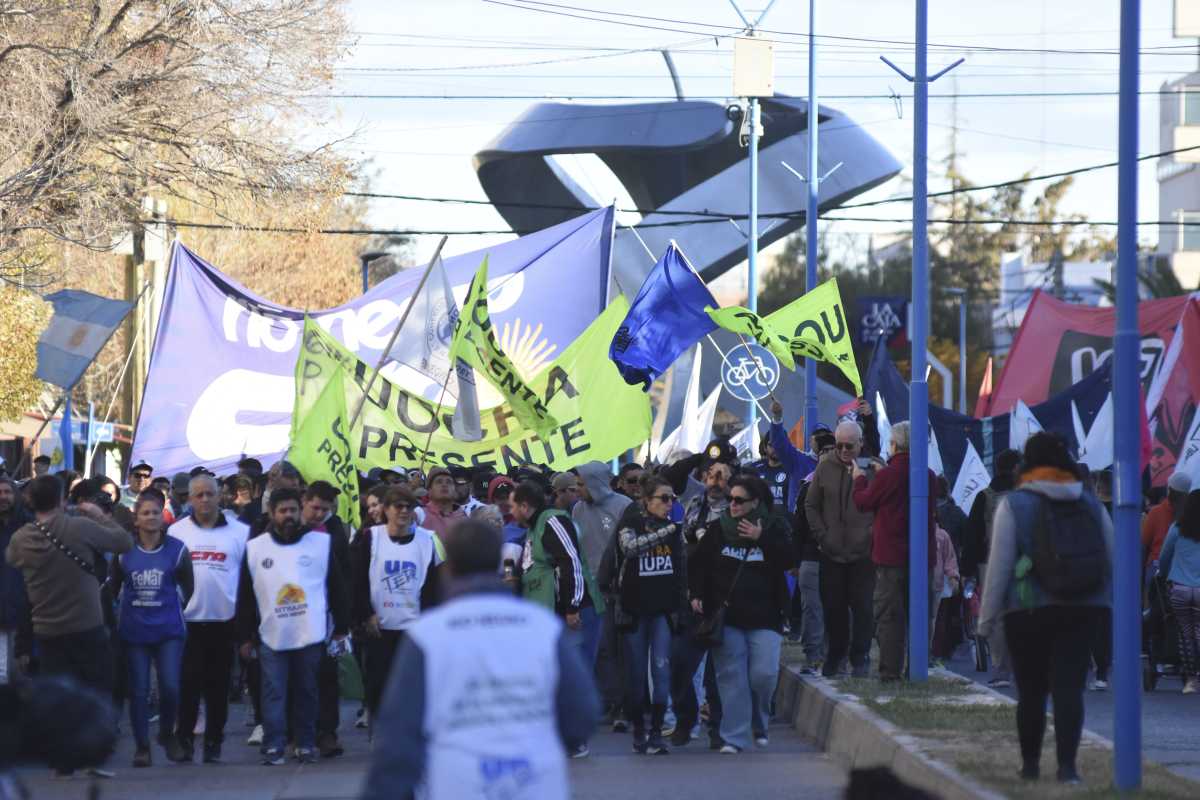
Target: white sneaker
760,741
364,719
198,729
256,736
1190,687
1099,686
730,749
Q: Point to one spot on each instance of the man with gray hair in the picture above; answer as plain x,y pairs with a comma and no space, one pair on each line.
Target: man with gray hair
217,545
843,535
886,496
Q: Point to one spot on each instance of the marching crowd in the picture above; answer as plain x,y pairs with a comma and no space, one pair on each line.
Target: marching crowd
674,587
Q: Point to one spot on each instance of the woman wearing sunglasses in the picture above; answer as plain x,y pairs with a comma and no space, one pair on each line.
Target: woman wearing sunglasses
394,568
744,566
649,551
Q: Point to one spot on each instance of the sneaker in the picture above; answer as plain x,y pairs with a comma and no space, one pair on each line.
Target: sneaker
999,683
174,749
96,772
620,725
142,757
1069,776
212,752
274,757
580,752
715,742
680,737
639,741
198,728
363,718
1099,685
655,746
153,719
730,749
761,741
256,736
1190,686
808,670
1030,771
329,745
306,755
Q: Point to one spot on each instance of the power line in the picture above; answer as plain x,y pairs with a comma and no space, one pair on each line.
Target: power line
952,96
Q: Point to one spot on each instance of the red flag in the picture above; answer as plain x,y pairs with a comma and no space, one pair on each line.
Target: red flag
984,403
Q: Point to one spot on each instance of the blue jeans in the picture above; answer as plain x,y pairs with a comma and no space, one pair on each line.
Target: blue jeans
587,638
747,666
297,670
167,657
649,642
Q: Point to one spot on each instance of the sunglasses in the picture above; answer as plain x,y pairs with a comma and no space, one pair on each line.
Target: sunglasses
665,498
737,500
846,445
632,480
141,475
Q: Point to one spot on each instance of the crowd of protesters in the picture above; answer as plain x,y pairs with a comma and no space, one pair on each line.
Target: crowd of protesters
674,586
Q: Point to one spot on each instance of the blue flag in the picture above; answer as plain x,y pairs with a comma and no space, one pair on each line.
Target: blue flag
81,324
666,318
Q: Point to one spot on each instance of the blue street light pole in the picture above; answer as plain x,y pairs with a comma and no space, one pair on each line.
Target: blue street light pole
1126,612
752,243
918,415
810,216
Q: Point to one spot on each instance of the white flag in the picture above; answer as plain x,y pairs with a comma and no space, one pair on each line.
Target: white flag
1189,453
972,479
697,429
691,407
1021,425
1097,448
746,443
882,423
935,454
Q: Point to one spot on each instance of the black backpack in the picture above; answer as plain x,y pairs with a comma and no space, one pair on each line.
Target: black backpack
1070,558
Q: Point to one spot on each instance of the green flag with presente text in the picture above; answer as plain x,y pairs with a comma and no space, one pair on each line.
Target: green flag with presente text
475,343
320,447
599,416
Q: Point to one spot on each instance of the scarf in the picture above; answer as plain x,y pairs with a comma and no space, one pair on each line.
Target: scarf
729,525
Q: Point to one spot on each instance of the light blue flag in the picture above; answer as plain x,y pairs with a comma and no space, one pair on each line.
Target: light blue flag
666,318
81,325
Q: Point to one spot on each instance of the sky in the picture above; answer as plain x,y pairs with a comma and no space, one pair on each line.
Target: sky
424,146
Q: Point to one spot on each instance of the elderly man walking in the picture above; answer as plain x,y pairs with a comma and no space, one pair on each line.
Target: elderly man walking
886,495
843,533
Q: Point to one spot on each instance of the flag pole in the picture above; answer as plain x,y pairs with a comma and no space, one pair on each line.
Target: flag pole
433,427
45,422
358,407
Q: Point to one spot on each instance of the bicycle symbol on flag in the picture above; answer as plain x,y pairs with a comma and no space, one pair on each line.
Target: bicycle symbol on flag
750,375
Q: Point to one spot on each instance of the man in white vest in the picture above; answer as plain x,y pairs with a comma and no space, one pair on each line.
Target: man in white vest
291,586
483,693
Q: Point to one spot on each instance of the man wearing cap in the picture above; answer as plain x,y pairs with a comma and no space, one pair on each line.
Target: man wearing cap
566,491
1160,518
462,490
442,510
41,466
179,495
139,479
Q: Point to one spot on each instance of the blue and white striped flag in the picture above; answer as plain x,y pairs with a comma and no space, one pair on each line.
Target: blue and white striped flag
81,325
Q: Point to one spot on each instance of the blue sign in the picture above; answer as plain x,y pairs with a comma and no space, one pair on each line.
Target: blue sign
882,317
750,372
103,432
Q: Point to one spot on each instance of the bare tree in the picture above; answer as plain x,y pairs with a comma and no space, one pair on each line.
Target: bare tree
104,101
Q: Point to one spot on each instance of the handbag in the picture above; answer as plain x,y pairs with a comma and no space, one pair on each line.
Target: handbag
710,632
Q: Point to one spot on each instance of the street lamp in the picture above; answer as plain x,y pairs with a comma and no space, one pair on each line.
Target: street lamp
961,294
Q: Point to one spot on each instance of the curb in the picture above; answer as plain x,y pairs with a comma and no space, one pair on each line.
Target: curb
856,736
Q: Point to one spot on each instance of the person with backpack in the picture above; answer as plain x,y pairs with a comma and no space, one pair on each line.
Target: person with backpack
1051,579
1180,562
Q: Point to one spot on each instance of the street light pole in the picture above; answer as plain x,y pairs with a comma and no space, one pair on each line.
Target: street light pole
810,216
1126,611
961,294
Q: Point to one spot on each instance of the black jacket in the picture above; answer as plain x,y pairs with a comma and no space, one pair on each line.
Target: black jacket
560,540
652,563
14,602
760,599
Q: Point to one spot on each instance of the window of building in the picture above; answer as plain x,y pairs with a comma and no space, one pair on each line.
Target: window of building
1190,106
1189,232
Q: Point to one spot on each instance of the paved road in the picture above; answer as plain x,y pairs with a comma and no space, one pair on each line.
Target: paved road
787,769
1170,721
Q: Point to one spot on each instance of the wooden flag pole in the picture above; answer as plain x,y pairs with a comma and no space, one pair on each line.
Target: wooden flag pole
392,341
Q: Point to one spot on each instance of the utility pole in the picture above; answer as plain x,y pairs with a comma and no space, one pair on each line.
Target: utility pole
918,476
145,263
756,78
810,215
1126,612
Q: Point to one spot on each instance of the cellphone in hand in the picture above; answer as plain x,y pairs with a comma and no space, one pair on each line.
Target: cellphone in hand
862,462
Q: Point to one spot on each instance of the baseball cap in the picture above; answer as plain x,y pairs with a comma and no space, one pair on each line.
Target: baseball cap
1180,482
564,480
180,482
821,426
719,451
437,472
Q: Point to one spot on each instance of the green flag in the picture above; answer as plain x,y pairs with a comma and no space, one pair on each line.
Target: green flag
319,445
475,343
599,415
811,326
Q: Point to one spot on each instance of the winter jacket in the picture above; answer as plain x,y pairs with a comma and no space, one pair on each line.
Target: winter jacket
760,598
978,533
1155,526
651,560
14,603
841,530
596,520
1012,537
64,595
886,495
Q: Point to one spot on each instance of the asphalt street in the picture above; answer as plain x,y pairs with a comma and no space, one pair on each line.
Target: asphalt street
788,768
1170,720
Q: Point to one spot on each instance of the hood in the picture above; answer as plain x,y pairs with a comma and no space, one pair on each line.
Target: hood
1052,483
596,476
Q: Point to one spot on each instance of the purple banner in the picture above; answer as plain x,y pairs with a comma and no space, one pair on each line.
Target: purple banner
221,386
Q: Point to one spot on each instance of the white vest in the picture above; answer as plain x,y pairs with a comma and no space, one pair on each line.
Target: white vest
289,587
491,677
397,574
216,566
